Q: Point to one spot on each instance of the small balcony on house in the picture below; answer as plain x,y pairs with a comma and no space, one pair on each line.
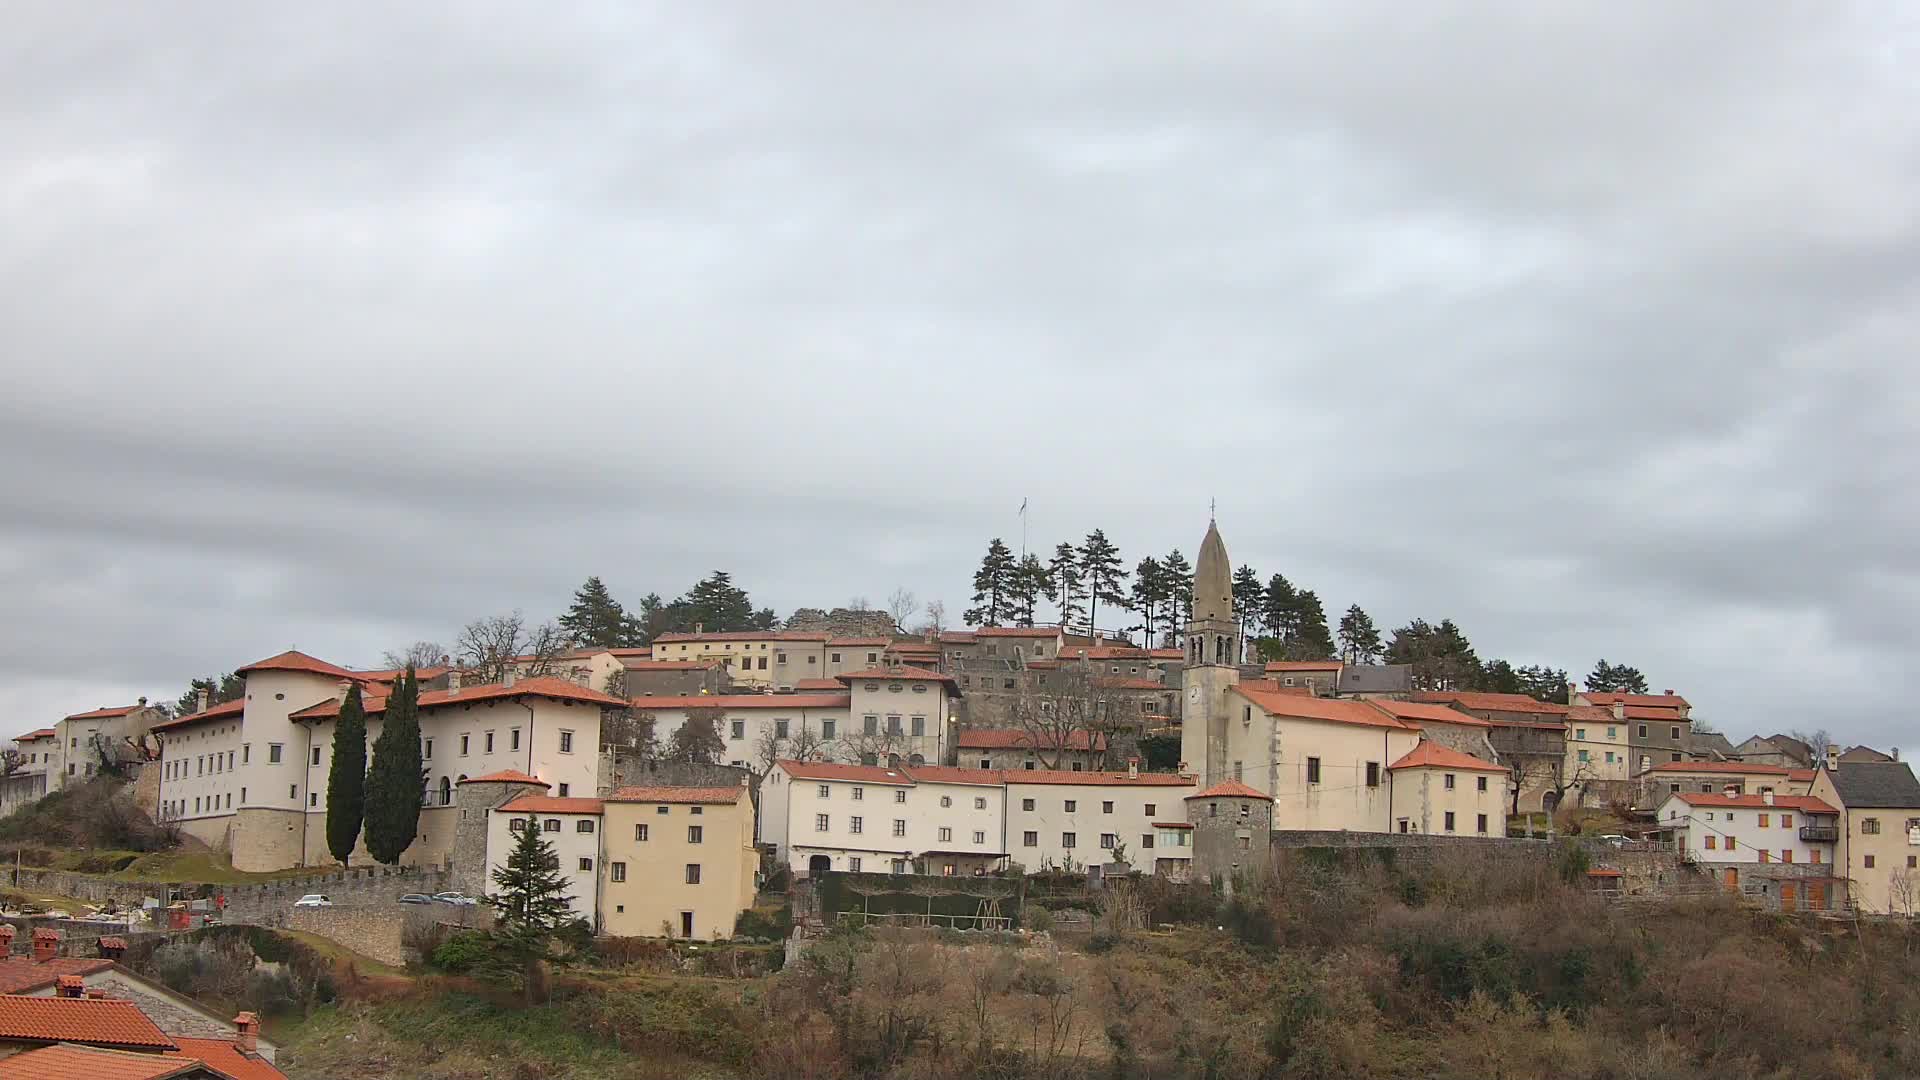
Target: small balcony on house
1819,834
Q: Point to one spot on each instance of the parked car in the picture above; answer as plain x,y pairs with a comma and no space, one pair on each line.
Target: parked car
313,900
454,898
415,898
1615,839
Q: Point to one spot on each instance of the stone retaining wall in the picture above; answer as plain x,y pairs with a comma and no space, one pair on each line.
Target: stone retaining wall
373,932
375,886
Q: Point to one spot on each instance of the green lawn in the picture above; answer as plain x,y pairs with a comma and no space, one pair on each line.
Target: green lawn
207,867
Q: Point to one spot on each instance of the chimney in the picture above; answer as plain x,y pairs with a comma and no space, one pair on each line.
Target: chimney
699,628
70,986
1731,791
453,681
1767,796
202,700
1133,768
6,938
1833,757
1573,691
112,948
143,702
1619,710
97,993
1668,692
246,1033
507,676
46,945
1894,753
446,661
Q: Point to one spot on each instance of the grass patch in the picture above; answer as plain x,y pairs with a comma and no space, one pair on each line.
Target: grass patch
340,954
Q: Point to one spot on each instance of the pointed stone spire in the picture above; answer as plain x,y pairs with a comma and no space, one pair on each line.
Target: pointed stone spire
1213,579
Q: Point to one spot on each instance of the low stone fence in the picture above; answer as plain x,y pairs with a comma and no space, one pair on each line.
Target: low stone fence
380,931
373,886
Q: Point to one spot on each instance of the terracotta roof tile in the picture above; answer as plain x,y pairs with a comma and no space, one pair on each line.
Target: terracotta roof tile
94,1021
43,733
1431,755
223,1055
1016,739
551,804
507,776
1104,779
543,686
1304,665
1416,711
743,635
295,660
1804,803
226,710
1335,710
912,674
832,770
1017,631
744,701
73,1062
1647,712
105,714
24,974
1663,701
644,665
804,685
1745,768
1229,789
948,774
1489,702
711,796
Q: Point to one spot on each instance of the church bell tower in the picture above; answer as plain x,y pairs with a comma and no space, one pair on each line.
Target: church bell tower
1212,662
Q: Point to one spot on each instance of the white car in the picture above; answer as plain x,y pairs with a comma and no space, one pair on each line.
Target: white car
313,900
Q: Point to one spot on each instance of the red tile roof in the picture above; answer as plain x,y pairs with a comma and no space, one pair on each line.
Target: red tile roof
1416,711
226,710
1229,789
1744,768
94,1021
1017,631
543,686
712,796
1104,652
911,674
957,637
388,675
1803,803
876,643
1800,775
1644,712
1431,755
1116,779
1335,710
223,1055
294,660
508,776
947,774
1168,654
1016,739
831,770
1664,701
1304,665
1592,714
105,714
24,974
744,635
1486,702
550,804
818,684
74,1062
43,733
744,701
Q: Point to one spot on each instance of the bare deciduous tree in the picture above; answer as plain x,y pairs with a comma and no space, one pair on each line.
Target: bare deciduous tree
859,603
901,604
935,619
11,761
420,654
1817,741
803,745
881,746
489,647
1067,711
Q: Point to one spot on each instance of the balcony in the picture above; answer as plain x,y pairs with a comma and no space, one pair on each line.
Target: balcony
1819,834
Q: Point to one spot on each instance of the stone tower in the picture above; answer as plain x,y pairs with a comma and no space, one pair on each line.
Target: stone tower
1213,656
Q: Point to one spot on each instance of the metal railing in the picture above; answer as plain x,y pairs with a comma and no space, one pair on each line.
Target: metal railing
920,918
1819,834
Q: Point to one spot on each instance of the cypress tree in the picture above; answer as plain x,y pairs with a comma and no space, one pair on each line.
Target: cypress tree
347,783
394,783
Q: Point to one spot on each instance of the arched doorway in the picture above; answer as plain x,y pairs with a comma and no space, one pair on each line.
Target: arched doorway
916,761
818,865
446,792
893,761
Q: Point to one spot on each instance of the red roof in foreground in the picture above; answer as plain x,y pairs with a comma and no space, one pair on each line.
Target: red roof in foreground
226,710
94,1021
43,733
1741,768
104,714
643,665
295,660
1104,779
744,701
1229,789
711,796
913,674
1486,702
1658,701
24,974
1416,711
1803,803
226,1057
550,804
506,776
833,770
70,1062
1335,710
1431,755
544,686
827,685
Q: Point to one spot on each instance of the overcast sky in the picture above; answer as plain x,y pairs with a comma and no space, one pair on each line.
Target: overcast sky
334,326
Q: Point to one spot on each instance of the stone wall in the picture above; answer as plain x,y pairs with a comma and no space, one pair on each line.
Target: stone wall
474,802
271,904
618,771
374,932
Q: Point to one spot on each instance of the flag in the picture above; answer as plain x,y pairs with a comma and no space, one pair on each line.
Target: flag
1023,506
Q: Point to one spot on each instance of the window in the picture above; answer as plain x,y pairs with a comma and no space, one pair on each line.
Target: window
1449,821
1146,840
899,796
583,826
1151,809
551,825
516,824
313,798
1786,854
979,836
899,827
946,835
617,871
1108,840
1583,756
856,825
693,873
1580,734
859,794
893,724
1480,783
566,742
826,730
853,864
1676,734
1072,805
1480,823
870,725
1814,856
820,822
1869,862
563,790
1911,861
1712,843
1373,773
465,741
246,753
780,729
1870,826
696,834
738,729
763,662
825,791
513,738
640,832
1763,821
1026,804
1106,807
1030,839
946,800
273,753
1067,839
293,791
1786,821
873,658
1731,843
779,658
586,863
1643,731
919,723
1613,733
1313,770
316,755
1449,782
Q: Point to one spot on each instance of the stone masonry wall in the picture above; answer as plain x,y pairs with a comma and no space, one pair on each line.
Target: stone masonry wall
271,904
368,931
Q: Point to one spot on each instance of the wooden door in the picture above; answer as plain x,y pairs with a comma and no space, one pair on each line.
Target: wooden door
1731,879
1789,897
1816,896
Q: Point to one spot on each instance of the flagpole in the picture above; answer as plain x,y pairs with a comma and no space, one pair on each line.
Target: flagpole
1023,529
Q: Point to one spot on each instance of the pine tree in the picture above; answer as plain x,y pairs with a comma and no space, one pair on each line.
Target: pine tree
533,906
697,739
1616,678
1100,562
1311,641
717,605
1547,684
1359,638
1064,573
1029,586
347,781
1246,602
395,781
220,690
993,587
1179,575
597,619
1149,594
1279,608
1441,656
